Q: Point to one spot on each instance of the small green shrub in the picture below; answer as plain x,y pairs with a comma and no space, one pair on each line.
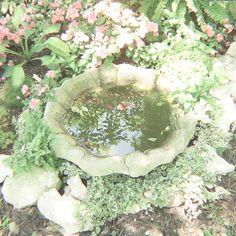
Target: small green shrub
6,133
32,147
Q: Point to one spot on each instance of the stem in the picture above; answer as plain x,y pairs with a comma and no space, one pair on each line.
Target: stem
13,52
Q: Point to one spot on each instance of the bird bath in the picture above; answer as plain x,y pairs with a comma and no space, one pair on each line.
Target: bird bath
116,120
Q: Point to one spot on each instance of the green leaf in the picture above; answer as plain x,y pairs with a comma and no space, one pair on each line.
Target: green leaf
51,29
18,76
17,16
5,5
58,47
2,48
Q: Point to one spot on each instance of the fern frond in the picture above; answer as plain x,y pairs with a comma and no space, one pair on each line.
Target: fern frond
191,5
146,5
215,11
181,10
158,12
200,16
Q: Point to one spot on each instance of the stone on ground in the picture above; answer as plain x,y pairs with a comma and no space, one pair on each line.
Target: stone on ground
63,211
5,170
217,164
76,188
26,188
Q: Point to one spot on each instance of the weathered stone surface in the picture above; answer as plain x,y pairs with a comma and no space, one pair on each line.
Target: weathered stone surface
55,126
141,164
108,76
224,96
76,188
97,166
62,96
232,50
134,164
5,170
61,144
54,110
63,211
217,164
142,78
26,188
87,80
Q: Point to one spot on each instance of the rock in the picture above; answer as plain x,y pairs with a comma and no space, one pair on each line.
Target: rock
224,95
4,169
26,188
232,50
14,229
217,164
64,210
76,188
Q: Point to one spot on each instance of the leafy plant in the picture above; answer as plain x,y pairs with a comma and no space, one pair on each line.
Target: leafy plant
199,11
29,48
32,147
6,133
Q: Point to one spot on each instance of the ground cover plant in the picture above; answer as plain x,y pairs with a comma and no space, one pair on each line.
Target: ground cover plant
44,43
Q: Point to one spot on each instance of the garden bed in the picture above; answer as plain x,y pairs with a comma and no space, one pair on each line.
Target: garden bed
60,136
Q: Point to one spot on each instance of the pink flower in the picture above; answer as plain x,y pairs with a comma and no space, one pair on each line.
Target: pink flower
13,37
51,74
225,20
101,52
219,38
73,24
125,105
25,90
139,42
101,28
73,11
34,103
59,16
90,16
54,5
152,28
42,90
209,31
229,27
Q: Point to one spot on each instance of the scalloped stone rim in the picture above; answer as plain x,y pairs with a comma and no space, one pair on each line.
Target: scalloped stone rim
134,164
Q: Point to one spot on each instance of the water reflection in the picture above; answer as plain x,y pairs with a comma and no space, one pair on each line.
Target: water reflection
119,121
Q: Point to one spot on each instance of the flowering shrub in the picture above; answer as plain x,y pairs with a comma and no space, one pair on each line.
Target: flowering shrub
102,31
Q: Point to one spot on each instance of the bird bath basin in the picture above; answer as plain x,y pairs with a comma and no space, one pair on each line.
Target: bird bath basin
116,120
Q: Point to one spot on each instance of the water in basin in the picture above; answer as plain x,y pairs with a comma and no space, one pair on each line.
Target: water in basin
119,120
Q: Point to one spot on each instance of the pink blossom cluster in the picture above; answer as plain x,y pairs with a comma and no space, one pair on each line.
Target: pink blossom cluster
120,28
38,90
228,28
8,32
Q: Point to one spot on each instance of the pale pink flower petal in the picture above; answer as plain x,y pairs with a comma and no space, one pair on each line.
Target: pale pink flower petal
51,74
219,38
34,103
101,52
